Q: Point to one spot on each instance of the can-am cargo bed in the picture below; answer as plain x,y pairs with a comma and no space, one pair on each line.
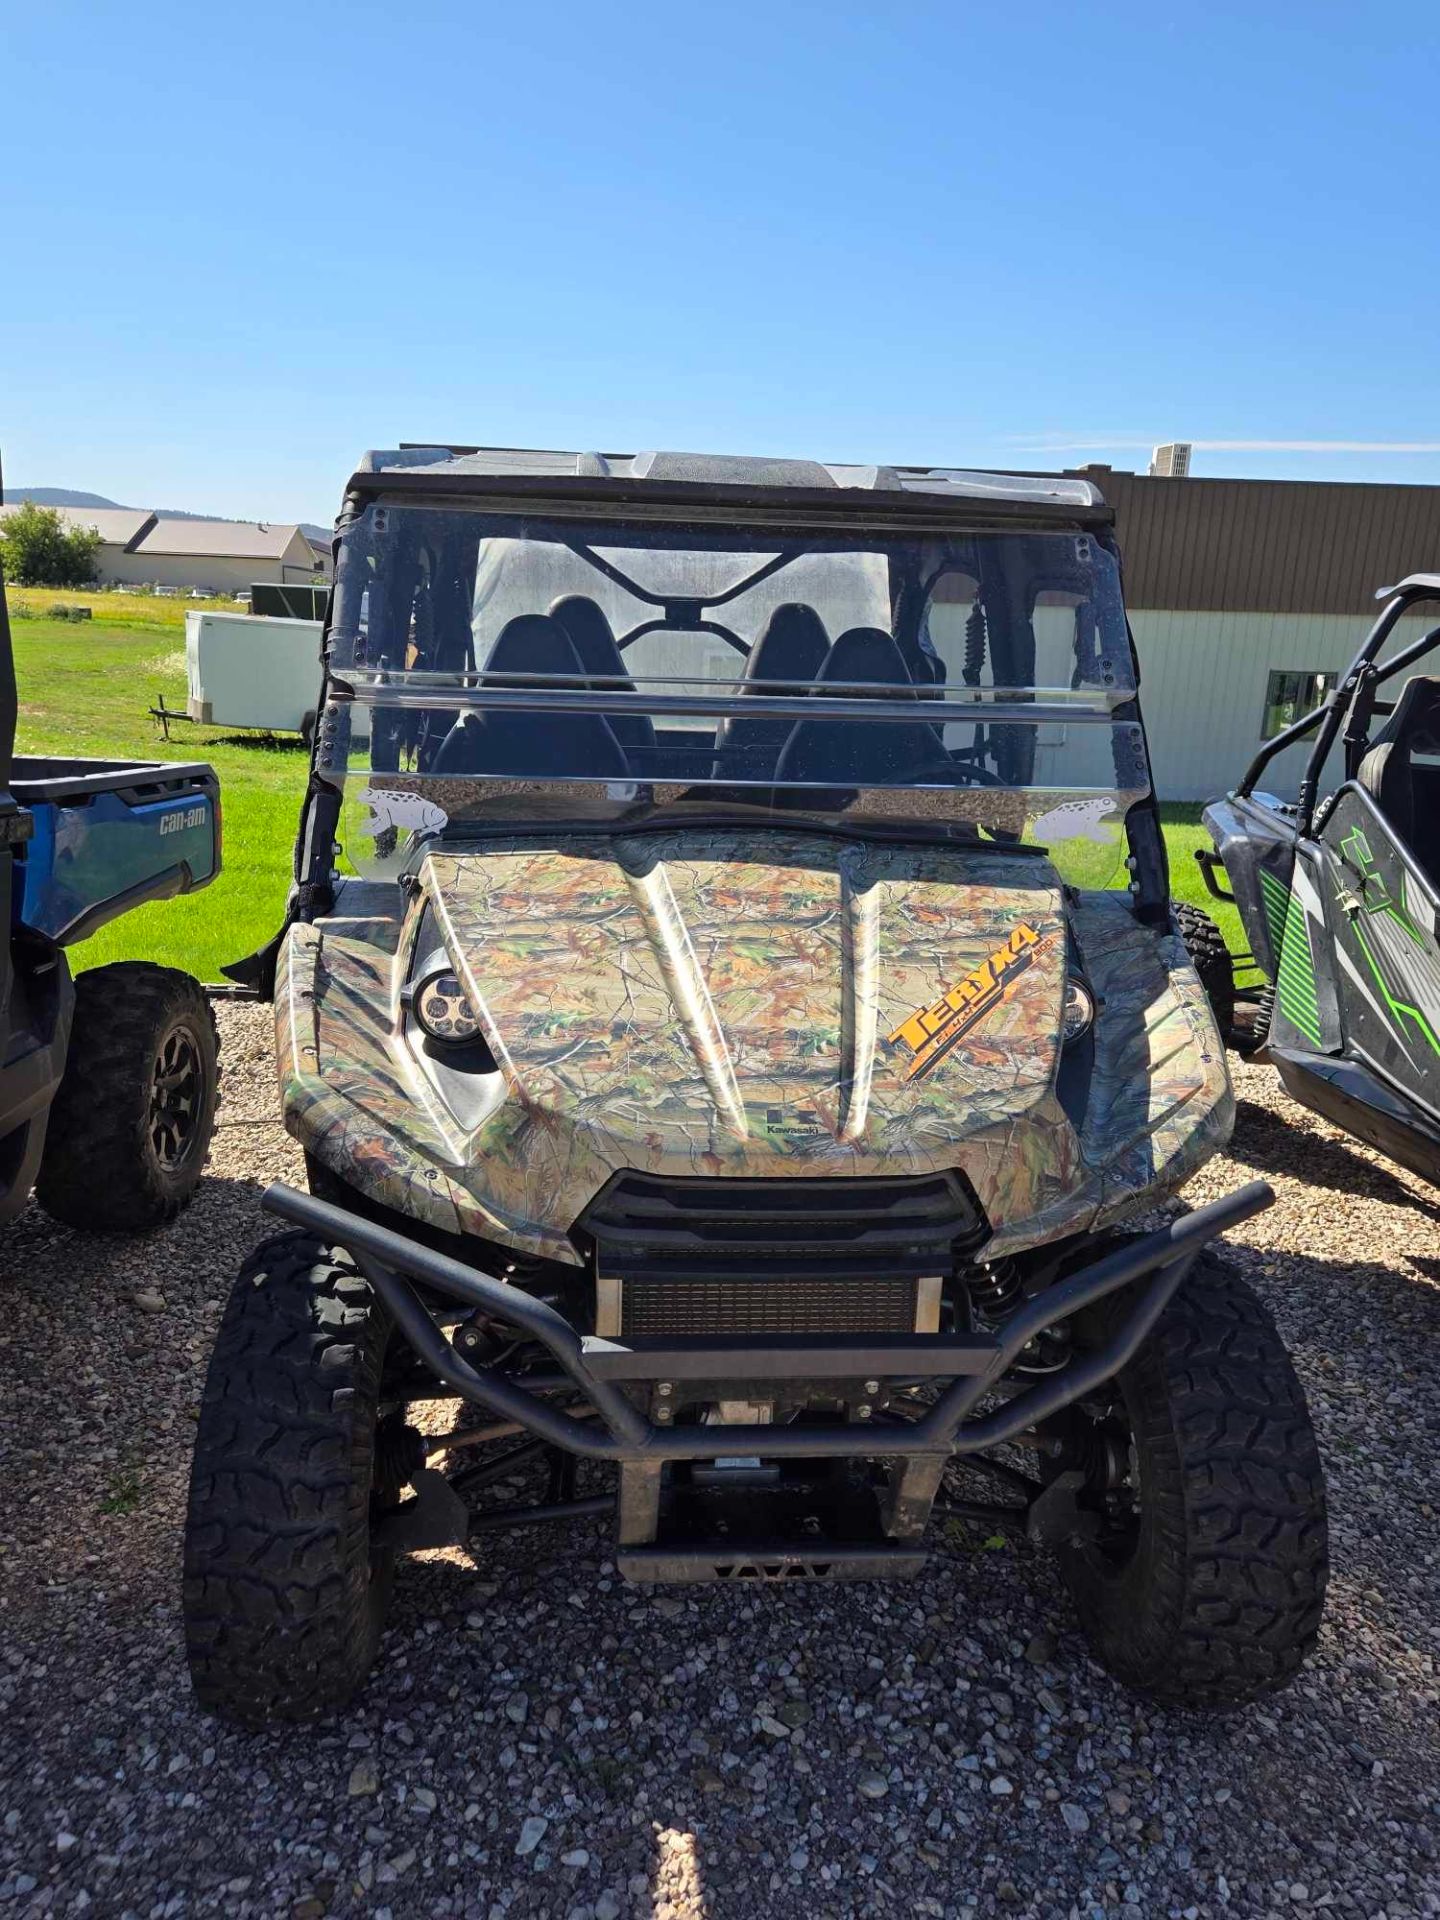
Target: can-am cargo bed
108,835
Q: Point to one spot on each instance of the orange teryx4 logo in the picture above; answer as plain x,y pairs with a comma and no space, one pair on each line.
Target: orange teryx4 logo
932,1031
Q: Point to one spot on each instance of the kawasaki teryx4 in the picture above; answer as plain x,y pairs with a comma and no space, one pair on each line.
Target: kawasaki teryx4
1339,894
723,1065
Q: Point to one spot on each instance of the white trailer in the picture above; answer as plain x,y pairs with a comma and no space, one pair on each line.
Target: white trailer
246,670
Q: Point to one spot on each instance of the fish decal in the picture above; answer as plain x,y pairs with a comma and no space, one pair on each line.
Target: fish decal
407,812
1075,820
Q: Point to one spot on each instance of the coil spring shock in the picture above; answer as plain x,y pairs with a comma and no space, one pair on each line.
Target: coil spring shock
974,646
1264,1013
994,1290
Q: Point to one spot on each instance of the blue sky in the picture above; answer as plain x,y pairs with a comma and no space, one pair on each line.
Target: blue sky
238,245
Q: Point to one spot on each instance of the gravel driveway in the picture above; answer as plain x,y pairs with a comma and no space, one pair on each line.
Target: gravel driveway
542,1740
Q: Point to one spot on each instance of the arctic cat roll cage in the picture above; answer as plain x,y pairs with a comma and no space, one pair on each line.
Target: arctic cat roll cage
1340,894
1352,704
725,1063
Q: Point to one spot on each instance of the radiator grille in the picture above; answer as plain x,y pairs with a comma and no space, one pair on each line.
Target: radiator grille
742,1304
694,1256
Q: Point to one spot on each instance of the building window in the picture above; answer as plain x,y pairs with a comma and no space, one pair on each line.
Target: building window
1289,695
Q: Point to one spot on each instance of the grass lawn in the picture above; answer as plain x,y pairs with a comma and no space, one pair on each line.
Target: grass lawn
152,612
1183,834
86,687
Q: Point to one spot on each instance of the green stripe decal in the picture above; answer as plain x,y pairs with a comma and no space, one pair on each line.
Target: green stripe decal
1295,975
1275,897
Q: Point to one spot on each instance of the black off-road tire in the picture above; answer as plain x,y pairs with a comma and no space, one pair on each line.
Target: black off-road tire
1211,959
284,1597
130,1127
1219,1598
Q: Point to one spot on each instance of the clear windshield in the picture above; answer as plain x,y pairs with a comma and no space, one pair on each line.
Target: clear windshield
485,664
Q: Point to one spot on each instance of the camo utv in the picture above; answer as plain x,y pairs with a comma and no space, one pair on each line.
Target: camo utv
726,1068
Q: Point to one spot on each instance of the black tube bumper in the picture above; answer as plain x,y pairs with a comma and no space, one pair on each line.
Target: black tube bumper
600,1370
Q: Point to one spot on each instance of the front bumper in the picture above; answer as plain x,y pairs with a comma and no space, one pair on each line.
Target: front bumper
612,1374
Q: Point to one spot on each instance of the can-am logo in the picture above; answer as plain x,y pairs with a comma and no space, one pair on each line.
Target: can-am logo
179,822
932,1031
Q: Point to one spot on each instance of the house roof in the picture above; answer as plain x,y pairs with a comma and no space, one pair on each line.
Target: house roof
237,539
122,527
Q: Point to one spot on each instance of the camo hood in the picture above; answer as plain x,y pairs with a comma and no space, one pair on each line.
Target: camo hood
729,1002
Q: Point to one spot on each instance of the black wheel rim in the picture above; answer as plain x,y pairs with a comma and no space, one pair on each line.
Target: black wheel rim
177,1098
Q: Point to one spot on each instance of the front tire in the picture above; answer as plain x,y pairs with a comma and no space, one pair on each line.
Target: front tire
130,1127
1212,960
285,1595
1207,1583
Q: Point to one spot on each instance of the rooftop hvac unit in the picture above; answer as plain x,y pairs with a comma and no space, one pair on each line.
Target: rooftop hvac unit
1171,462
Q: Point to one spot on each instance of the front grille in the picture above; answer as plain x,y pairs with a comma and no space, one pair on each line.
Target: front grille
742,1304
693,1256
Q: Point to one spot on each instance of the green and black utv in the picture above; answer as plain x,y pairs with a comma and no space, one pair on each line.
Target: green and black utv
1339,894
726,1067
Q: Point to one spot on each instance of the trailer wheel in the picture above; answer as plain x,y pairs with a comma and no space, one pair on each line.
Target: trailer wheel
1203,1580
130,1127
1211,959
285,1595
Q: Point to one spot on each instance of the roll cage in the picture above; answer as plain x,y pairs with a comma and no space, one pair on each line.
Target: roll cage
1352,702
756,497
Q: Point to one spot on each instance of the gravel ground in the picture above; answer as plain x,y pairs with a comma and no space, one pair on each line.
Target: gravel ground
542,1740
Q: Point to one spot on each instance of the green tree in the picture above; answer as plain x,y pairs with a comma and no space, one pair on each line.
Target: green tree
37,549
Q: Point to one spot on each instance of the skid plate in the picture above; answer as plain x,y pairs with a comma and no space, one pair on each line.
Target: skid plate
732,1560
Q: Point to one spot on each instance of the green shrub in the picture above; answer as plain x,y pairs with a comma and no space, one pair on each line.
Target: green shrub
37,549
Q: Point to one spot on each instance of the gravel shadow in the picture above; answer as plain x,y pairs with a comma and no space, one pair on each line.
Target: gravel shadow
1266,1141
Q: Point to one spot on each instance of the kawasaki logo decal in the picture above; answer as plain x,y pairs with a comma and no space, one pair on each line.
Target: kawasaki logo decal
932,1031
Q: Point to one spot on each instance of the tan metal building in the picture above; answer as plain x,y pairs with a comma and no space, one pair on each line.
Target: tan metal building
217,556
1247,599
140,548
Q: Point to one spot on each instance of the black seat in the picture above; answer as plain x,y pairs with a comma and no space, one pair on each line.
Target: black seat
858,753
603,662
533,745
1403,792
787,658
925,668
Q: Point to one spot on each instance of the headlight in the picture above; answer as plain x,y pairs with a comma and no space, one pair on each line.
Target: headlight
1079,1010
441,1009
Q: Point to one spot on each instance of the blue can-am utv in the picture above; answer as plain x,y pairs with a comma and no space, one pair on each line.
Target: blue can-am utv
107,1083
